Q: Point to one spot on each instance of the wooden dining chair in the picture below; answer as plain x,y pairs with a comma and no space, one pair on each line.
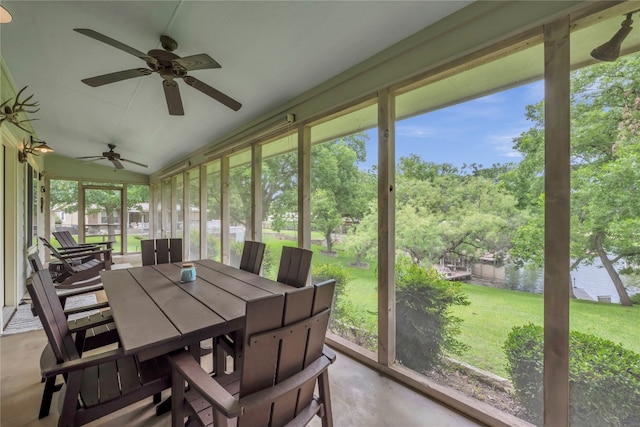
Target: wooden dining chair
252,254
161,251
98,384
295,264
283,360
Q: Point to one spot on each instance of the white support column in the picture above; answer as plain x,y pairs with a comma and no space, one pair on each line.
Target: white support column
557,223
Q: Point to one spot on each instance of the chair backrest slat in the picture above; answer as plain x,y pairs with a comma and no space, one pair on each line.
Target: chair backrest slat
161,251
34,261
283,336
65,239
51,314
57,254
295,264
175,250
148,252
252,255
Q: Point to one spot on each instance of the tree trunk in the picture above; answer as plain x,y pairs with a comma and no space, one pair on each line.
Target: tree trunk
111,232
615,277
327,237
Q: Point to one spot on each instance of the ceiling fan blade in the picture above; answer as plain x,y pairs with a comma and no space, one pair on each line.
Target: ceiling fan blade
111,42
196,62
135,163
91,157
117,164
116,77
214,93
172,94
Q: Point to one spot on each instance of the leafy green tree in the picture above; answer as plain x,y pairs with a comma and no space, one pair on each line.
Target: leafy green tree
444,214
65,196
605,198
325,216
335,172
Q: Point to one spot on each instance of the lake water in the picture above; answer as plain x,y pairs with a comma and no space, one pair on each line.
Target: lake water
594,279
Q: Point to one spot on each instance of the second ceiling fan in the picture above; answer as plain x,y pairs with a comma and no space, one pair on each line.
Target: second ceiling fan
168,65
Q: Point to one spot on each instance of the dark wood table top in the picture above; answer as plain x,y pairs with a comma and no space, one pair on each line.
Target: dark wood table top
155,313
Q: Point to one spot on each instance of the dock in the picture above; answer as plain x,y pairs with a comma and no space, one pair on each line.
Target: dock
452,274
580,293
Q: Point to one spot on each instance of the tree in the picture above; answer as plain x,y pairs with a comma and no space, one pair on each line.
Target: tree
335,175
605,198
443,214
325,216
64,194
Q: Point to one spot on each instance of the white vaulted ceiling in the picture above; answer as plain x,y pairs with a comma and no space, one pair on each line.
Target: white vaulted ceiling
270,52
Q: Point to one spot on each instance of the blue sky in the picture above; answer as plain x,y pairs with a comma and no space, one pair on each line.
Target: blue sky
478,131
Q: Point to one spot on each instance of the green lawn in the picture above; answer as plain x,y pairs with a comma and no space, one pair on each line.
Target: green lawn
492,313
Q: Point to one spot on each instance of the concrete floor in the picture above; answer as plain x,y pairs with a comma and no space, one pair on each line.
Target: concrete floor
360,396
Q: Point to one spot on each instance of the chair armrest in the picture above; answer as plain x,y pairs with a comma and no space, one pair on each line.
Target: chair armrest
84,253
328,353
294,382
69,251
66,293
209,388
84,308
82,363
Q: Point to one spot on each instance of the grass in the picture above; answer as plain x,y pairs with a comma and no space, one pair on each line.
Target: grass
492,313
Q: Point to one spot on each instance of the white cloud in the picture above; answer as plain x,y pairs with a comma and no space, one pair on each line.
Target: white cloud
414,131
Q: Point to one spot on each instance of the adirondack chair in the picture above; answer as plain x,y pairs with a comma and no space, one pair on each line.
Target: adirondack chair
67,242
79,267
98,384
283,358
252,254
90,332
295,264
36,265
161,251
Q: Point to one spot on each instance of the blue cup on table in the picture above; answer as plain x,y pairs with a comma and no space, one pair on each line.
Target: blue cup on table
188,272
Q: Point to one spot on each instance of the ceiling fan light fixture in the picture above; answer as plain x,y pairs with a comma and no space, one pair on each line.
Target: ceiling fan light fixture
610,51
5,15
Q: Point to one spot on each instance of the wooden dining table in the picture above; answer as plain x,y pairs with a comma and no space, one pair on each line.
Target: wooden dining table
155,313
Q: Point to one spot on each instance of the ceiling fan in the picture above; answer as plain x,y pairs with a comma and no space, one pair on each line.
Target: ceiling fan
168,65
113,157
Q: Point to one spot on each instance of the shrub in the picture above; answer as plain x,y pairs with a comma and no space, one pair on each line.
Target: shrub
635,298
426,330
604,377
348,320
322,272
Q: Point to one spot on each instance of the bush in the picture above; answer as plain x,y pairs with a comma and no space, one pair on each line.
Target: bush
604,377
426,330
635,298
348,320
